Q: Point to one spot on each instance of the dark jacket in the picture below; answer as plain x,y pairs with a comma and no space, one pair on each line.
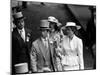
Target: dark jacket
20,49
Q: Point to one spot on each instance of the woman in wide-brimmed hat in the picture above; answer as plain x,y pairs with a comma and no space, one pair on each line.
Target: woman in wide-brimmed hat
72,59
55,39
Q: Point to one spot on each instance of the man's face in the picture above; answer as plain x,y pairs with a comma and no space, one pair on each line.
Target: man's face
20,24
44,33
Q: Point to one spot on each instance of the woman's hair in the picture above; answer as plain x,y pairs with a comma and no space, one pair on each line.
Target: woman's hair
56,27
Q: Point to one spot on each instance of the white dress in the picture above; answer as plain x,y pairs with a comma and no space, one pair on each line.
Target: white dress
73,53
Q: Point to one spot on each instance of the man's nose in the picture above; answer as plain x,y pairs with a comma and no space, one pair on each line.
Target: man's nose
21,23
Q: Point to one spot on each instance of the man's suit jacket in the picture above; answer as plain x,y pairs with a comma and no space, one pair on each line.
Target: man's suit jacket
38,57
20,48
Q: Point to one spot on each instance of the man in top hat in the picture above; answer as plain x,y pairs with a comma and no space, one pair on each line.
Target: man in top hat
72,59
21,37
42,59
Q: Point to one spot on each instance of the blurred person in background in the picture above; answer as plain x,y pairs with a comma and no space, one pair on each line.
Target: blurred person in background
91,34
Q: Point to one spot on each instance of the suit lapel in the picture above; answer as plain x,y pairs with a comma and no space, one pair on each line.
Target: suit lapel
52,56
25,35
50,49
42,48
16,33
26,32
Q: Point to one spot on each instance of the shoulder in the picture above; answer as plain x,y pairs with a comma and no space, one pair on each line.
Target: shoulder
15,32
79,41
36,42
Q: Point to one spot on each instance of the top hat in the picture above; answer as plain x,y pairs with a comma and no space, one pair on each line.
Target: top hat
18,16
52,19
44,24
72,24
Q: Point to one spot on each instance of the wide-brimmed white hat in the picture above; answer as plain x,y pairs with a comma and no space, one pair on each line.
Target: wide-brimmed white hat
72,24
52,19
44,24
18,16
59,24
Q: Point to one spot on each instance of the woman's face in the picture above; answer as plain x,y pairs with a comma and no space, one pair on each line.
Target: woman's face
68,31
52,26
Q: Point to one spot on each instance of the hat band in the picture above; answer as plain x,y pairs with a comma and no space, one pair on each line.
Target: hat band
78,27
43,27
19,18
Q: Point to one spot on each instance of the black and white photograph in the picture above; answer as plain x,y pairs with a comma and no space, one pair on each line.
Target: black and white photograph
52,37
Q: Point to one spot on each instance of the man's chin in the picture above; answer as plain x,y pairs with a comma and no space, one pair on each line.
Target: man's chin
20,28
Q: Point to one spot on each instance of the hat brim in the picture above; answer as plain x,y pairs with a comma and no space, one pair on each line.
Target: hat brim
20,18
53,22
77,27
43,28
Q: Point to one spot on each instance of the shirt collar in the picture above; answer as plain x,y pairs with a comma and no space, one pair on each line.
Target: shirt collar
20,30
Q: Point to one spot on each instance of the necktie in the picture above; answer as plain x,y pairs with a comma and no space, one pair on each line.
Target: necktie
46,43
22,35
